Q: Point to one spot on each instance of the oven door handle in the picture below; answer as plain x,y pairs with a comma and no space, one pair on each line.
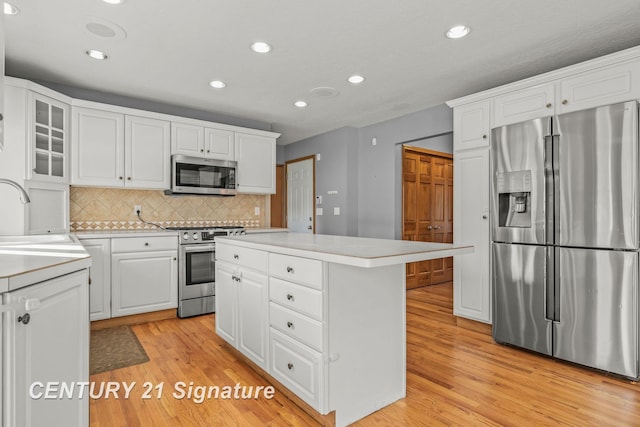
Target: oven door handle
199,248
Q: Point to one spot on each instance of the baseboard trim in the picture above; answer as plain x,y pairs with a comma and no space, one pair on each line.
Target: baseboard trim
135,319
473,325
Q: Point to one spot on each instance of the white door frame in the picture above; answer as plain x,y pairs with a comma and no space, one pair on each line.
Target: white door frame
313,192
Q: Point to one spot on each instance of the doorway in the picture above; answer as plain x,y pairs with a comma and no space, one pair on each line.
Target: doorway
427,210
300,178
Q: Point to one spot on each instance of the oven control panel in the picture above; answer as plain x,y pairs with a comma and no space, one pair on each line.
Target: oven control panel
204,236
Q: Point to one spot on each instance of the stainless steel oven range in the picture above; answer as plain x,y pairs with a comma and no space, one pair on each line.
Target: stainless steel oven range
197,269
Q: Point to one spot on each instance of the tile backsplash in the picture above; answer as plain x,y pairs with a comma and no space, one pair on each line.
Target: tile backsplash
113,209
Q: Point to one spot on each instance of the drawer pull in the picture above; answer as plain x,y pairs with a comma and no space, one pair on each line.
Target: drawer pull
290,325
146,243
236,256
290,366
290,270
290,297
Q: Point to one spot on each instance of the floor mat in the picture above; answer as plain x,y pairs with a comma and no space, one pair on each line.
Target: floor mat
114,348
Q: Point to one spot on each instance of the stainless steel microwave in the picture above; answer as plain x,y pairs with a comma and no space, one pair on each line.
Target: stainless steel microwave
194,175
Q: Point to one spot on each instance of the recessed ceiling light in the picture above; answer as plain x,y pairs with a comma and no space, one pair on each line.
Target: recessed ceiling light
355,79
10,9
217,84
458,31
261,47
300,104
113,1
96,54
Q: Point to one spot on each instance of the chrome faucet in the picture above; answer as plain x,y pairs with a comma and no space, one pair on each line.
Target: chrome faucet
23,193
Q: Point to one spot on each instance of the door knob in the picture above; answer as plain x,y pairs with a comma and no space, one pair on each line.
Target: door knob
429,228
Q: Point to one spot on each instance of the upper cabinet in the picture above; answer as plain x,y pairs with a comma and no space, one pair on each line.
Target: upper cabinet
1,83
525,104
256,157
471,126
49,132
116,150
607,85
201,141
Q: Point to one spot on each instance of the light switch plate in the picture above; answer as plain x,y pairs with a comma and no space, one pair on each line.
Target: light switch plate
336,211
318,211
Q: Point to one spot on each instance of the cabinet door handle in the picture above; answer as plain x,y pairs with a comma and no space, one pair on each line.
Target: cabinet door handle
290,325
290,365
290,297
25,318
290,270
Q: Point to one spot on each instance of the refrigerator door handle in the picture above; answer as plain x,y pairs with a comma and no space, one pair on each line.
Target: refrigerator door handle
549,288
555,199
549,171
556,285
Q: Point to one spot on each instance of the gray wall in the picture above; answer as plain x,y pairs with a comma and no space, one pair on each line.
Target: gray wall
366,176
335,171
141,104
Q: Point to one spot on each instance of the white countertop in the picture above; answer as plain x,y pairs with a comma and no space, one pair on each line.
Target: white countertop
25,260
107,234
355,251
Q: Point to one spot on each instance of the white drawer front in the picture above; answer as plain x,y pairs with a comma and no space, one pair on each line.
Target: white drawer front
251,258
301,270
139,244
299,298
295,325
297,367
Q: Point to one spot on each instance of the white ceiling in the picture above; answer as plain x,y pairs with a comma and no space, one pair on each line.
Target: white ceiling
174,48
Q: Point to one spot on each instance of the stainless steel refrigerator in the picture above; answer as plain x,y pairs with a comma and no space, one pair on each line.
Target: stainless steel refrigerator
566,236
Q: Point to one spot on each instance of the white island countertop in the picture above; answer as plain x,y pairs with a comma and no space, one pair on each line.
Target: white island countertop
354,251
25,260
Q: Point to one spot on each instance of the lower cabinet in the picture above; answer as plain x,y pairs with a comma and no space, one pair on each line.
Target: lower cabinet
46,339
132,275
242,297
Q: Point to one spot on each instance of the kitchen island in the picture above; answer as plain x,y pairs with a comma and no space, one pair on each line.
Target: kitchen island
322,315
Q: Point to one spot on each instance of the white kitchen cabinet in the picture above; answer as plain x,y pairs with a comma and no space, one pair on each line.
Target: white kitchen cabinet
49,135
144,274
1,111
97,148
147,153
47,343
471,126
111,149
48,211
602,86
201,141
99,278
525,104
256,157
242,298
472,278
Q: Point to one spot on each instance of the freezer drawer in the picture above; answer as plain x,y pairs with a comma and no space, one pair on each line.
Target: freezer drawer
598,317
519,280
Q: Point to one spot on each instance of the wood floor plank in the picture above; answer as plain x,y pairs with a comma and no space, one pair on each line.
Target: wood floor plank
455,376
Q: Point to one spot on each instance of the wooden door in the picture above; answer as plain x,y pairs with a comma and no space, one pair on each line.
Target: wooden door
277,200
427,183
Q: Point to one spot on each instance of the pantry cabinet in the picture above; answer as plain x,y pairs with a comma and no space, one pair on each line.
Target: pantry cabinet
256,157
46,338
201,141
111,149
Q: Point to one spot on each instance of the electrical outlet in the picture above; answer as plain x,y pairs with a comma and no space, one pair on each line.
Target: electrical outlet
137,209
257,210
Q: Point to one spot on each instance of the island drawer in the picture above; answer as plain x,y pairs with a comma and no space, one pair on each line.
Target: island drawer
141,244
296,297
296,325
236,255
297,367
296,269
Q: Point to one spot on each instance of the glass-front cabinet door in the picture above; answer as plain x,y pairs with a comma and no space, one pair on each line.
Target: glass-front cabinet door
50,132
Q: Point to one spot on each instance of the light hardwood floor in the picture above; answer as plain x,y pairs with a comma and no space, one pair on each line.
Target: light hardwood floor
455,376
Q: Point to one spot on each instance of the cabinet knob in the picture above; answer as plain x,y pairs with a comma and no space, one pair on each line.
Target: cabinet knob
128,178
175,259
484,136
236,256
120,178
484,217
290,297
290,365
1,117
208,151
24,319
290,325
289,269
146,243
549,105
202,150
565,102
